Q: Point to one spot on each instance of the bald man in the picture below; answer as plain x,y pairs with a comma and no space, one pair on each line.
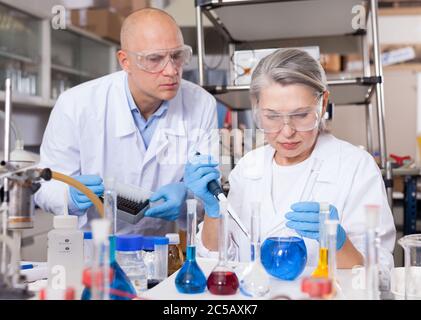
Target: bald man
137,126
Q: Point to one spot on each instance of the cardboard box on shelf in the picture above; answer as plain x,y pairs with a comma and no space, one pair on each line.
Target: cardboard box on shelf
331,62
125,7
102,22
84,4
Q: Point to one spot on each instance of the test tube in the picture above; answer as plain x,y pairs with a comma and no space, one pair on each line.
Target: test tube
110,203
100,286
322,267
331,230
161,258
371,258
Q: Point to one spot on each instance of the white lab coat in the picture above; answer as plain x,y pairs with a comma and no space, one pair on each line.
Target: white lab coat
91,130
344,175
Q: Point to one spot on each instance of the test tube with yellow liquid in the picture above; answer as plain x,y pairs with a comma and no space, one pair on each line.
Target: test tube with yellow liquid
322,266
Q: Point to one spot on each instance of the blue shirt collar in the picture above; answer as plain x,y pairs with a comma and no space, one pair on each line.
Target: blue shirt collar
133,107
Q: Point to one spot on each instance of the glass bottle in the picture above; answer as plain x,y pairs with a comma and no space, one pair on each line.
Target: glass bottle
222,280
190,279
175,254
255,281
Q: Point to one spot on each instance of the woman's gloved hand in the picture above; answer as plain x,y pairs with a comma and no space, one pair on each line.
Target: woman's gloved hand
199,171
174,195
305,220
78,201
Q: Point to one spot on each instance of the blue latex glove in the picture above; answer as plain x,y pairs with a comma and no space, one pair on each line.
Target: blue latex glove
305,220
174,195
199,171
78,202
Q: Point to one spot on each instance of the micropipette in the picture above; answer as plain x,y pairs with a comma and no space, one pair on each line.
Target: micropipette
216,190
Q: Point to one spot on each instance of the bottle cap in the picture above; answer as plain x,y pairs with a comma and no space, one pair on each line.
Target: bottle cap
161,241
129,242
87,235
316,287
174,238
65,222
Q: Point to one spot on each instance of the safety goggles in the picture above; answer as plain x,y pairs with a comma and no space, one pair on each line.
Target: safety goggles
155,61
306,119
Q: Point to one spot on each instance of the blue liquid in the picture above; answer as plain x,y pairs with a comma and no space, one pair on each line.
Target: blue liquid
120,280
284,257
190,278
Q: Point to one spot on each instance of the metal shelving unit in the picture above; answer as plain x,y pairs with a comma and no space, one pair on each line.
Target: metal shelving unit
28,41
291,23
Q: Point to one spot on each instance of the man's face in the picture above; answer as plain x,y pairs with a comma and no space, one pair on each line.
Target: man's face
161,85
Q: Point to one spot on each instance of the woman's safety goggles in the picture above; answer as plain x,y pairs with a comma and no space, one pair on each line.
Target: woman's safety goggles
270,121
156,61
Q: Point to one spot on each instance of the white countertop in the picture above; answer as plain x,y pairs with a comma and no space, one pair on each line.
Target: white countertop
350,286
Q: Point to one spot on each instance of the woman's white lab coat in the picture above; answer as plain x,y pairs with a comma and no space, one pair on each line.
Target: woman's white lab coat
338,172
91,131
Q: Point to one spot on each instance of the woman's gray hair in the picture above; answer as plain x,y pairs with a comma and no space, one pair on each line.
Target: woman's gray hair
287,67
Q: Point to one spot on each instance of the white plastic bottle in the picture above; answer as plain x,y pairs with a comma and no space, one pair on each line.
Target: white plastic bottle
65,254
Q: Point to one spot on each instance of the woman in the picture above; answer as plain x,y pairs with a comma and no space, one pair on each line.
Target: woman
298,168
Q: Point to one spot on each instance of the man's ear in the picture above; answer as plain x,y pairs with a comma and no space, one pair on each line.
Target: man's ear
123,60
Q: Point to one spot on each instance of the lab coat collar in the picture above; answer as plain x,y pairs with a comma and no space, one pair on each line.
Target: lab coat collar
326,152
171,123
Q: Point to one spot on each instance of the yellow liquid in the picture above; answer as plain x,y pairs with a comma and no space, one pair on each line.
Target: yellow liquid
322,267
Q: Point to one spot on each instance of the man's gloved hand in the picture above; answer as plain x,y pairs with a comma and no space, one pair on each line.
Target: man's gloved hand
305,220
78,201
174,195
199,171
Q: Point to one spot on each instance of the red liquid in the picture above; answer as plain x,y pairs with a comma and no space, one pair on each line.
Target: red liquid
223,283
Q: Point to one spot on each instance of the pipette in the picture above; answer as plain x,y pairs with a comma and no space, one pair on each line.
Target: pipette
216,190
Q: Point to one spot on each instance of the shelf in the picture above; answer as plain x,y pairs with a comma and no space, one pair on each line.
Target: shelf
17,57
343,92
29,101
311,19
72,71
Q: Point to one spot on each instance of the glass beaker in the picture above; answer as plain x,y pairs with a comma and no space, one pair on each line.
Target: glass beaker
412,253
284,256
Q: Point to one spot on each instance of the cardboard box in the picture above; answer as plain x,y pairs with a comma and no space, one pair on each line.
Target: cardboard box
102,22
125,7
331,62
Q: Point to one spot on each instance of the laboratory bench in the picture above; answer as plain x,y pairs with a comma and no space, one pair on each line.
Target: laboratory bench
350,286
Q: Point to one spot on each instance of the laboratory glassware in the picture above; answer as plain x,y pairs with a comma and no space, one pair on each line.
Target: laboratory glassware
129,256
161,258
284,255
371,253
190,278
322,265
120,281
222,280
412,257
175,254
331,232
254,279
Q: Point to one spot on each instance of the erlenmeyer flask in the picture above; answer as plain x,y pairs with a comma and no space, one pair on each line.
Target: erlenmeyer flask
223,280
284,254
254,280
412,248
